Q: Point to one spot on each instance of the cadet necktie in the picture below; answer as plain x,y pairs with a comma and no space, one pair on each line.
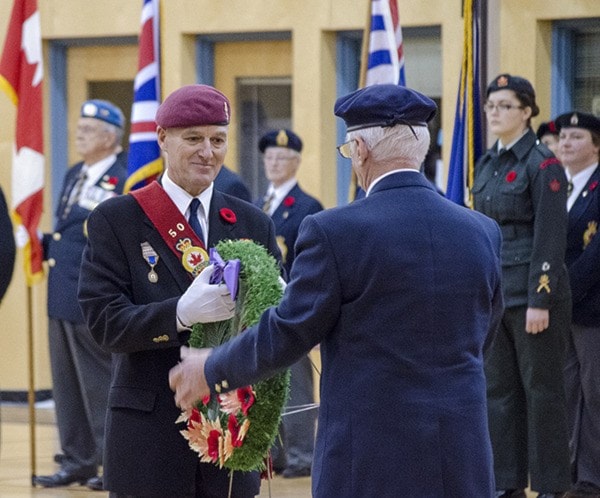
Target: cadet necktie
75,193
268,201
193,218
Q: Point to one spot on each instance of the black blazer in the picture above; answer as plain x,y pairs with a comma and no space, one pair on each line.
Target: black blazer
136,320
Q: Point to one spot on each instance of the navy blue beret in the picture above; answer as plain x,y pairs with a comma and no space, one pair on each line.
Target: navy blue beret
104,111
578,120
194,105
384,105
546,128
280,138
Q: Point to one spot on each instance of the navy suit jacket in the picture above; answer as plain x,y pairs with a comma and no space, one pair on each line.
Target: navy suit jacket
63,248
288,216
135,319
402,290
583,253
230,183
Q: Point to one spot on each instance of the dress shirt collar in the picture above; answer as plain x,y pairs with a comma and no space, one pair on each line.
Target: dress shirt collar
96,170
379,178
579,182
182,199
279,193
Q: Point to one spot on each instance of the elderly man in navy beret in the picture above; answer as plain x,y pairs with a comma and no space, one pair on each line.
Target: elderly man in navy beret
140,293
402,291
80,368
288,205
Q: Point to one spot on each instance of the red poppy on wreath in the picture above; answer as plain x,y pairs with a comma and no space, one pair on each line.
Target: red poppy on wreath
228,215
289,201
511,176
593,185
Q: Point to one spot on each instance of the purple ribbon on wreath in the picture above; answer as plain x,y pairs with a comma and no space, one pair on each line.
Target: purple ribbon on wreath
225,272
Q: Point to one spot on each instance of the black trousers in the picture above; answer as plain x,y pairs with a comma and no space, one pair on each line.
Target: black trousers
526,402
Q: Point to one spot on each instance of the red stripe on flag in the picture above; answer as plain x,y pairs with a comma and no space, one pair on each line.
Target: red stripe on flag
143,126
146,54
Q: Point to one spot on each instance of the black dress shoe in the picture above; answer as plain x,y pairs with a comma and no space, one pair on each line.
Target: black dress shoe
96,483
61,478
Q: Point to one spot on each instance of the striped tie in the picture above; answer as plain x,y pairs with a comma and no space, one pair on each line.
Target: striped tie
268,201
75,193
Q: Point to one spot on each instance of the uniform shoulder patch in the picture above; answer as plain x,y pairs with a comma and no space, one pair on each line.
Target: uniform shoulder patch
548,162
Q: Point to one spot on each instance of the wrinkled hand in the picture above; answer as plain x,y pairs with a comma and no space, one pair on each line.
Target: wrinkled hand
536,320
187,377
203,302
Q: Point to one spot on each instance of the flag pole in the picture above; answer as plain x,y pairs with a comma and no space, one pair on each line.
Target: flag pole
362,80
31,389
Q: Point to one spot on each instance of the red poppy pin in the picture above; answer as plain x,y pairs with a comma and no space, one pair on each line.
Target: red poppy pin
289,201
511,176
554,185
593,185
228,215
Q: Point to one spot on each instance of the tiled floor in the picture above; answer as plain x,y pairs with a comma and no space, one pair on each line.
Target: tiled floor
16,467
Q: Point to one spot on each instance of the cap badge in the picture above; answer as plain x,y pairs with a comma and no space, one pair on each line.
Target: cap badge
502,81
90,109
282,139
574,119
226,109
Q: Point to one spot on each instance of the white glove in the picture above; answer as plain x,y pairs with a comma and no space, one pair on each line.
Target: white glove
282,283
203,302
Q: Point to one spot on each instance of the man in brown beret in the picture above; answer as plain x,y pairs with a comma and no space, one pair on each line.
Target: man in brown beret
140,292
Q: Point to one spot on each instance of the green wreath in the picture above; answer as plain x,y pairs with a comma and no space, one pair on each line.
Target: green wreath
243,442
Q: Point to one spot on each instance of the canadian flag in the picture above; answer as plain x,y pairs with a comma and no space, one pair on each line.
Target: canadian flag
21,75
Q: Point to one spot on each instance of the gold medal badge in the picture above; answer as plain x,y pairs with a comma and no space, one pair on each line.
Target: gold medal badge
193,258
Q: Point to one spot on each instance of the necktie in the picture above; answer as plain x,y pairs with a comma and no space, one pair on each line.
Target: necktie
268,201
75,193
569,188
193,218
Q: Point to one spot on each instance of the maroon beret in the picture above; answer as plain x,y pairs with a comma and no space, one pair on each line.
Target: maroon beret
194,105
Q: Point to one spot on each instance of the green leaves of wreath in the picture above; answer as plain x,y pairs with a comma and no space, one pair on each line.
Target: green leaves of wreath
259,288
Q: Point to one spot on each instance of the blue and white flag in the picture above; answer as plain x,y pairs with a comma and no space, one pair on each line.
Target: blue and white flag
385,53
144,160
467,138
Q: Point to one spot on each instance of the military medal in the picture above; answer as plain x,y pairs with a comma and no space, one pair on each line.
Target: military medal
151,258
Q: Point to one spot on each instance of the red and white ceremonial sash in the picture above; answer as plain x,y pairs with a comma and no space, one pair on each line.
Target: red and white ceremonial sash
172,227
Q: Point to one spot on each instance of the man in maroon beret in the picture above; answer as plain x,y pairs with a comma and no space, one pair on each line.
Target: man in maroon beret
144,282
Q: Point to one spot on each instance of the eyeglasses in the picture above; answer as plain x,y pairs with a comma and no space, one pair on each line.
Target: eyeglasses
345,149
489,107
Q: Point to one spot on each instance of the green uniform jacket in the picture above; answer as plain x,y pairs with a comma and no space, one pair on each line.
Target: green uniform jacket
525,190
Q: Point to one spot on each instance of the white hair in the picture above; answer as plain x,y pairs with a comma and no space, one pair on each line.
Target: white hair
400,143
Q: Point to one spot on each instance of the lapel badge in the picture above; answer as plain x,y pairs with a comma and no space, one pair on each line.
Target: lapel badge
151,258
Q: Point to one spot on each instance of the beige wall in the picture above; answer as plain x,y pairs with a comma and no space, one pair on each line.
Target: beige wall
522,46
